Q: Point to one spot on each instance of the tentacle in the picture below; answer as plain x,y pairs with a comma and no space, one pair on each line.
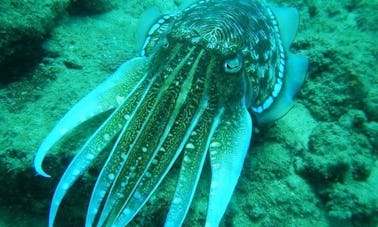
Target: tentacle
165,155
105,97
119,153
106,176
191,168
142,150
126,140
96,143
228,148
171,146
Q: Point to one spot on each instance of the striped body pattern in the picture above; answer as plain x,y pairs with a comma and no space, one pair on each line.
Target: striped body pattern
205,74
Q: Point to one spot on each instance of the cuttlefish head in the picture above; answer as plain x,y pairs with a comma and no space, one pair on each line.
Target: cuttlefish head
203,74
211,47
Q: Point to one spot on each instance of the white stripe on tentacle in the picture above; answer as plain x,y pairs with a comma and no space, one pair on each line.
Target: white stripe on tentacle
109,211
191,168
170,155
228,149
194,153
96,143
118,156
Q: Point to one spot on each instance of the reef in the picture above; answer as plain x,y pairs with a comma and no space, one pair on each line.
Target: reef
317,165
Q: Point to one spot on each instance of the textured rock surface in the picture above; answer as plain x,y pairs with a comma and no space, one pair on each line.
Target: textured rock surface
24,26
315,166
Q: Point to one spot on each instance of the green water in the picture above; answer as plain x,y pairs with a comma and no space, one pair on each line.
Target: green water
316,166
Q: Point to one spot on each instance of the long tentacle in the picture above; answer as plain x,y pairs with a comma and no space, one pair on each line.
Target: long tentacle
164,157
195,152
126,140
141,152
105,97
118,154
191,168
228,149
172,145
96,143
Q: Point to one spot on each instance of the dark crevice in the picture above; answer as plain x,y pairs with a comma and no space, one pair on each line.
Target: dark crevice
89,7
21,58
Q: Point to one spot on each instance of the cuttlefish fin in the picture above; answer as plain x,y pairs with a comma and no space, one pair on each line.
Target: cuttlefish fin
227,150
106,96
296,68
288,21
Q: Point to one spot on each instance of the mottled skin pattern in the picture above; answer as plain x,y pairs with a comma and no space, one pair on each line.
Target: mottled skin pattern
202,73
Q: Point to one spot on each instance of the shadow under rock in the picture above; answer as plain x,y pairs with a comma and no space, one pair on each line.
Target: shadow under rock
21,58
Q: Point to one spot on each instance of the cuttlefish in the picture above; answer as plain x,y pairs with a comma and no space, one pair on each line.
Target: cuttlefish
204,76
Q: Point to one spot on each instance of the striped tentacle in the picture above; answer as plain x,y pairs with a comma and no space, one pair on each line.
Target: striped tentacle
105,97
228,149
96,143
127,138
119,153
156,126
191,167
195,106
194,155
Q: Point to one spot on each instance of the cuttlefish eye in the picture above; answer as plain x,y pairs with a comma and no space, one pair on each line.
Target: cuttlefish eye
233,65
165,44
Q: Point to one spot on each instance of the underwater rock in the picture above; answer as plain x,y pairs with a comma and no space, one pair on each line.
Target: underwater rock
358,201
20,183
353,119
287,130
335,155
371,131
341,89
340,165
270,193
84,7
358,121
371,103
341,58
24,26
72,64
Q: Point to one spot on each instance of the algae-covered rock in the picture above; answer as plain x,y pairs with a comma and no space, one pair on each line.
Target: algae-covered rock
342,70
357,200
336,155
371,131
82,7
353,119
340,165
371,102
270,193
24,26
317,166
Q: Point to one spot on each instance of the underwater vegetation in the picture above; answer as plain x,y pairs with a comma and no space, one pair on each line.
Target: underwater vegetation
316,165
